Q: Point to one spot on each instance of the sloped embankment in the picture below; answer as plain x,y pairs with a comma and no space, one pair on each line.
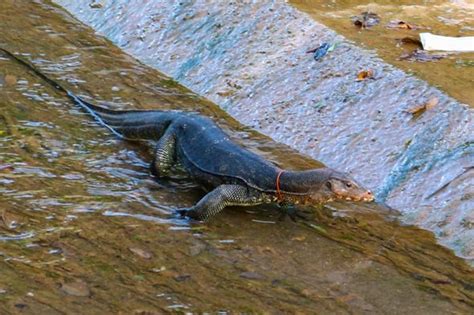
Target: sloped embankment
250,59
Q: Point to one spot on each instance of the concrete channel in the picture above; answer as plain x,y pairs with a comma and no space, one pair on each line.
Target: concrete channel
249,57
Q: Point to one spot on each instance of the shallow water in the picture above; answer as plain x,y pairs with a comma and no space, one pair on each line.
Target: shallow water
250,59
84,226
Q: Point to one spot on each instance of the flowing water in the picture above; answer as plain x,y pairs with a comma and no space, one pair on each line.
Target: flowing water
84,228
251,59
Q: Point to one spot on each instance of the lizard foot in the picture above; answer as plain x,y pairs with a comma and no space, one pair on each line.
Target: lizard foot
187,213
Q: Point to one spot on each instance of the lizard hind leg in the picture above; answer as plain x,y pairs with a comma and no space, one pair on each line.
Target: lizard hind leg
165,154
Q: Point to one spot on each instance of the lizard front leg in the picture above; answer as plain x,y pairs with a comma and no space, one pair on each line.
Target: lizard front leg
164,153
221,197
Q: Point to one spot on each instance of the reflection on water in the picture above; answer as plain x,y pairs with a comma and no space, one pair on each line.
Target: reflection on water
84,228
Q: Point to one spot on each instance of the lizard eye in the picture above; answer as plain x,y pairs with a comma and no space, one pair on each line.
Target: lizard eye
348,185
329,185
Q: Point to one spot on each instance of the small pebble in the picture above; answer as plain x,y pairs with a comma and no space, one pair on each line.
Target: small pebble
252,275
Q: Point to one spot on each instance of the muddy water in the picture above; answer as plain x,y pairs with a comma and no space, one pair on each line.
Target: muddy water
453,74
84,226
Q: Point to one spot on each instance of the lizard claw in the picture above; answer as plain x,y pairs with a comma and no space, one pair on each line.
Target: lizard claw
181,213
187,213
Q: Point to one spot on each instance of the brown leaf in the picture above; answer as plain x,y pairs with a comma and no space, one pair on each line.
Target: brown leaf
432,102
401,25
419,109
365,74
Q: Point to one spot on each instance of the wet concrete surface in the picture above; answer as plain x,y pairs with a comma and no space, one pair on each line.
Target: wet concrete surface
250,58
453,73
84,228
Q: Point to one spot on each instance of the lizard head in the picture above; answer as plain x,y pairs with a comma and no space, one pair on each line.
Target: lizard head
341,186
348,189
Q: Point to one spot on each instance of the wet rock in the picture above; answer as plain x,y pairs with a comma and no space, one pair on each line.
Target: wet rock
77,288
141,253
251,275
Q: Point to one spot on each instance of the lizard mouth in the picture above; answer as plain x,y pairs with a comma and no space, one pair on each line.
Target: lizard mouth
365,198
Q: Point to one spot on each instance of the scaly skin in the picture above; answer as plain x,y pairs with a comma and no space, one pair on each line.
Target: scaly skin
237,176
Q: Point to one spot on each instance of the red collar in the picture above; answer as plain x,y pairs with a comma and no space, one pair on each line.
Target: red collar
278,192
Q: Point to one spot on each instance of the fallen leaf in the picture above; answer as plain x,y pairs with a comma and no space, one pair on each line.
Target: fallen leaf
365,74
419,109
401,25
140,252
431,103
366,19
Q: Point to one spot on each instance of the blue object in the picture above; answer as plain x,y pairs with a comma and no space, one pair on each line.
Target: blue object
321,51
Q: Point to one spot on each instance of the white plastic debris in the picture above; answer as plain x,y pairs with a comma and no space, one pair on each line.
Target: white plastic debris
446,43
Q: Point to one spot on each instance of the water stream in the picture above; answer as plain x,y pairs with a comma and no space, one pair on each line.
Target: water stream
84,227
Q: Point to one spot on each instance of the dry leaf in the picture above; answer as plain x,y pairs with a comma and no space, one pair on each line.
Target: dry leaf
401,25
419,109
366,19
364,75
431,103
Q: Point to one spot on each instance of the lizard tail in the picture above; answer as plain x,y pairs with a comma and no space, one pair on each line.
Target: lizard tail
129,124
